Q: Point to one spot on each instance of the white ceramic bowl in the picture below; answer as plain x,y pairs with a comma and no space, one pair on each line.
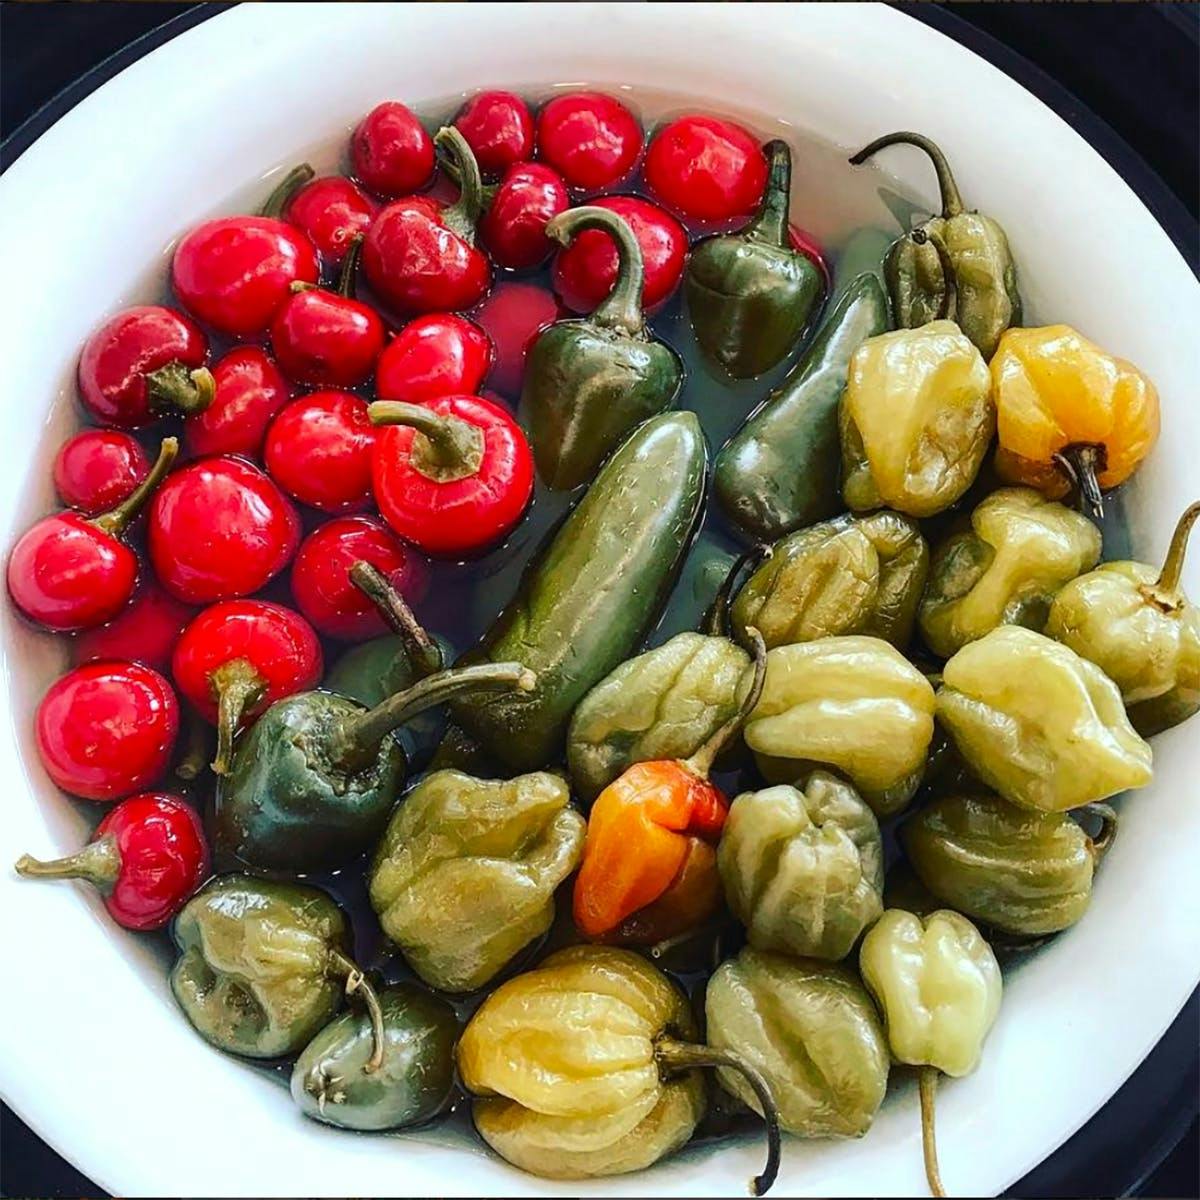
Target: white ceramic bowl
93,1052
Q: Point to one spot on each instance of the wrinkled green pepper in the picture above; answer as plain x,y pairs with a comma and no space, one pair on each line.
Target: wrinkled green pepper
781,471
1005,570
802,866
1038,724
262,966
1135,623
314,779
590,382
848,575
983,291
464,877
751,293
1015,870
811,1030
586,602
331,1081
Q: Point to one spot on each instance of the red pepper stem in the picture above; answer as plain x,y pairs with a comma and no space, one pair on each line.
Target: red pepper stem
349,271
196,748
423,653
1081,463
177,388
927,1081
701,762
98,862
117,520
358,984
770,223
716,620
1109,823
952,204
673,1057
621,309
949,302
239,688
463,215
445,448
283,191
1165,591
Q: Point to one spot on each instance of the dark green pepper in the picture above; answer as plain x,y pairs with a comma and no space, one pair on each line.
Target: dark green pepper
589,382
750,293
262,966
587,601
982,297
332,1082
782,470
313,781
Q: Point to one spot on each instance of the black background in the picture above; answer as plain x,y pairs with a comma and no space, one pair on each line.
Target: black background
1127,76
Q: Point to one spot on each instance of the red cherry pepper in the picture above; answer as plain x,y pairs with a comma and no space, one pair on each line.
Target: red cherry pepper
220,529
590,139
147,857
439,354
513,315
142,363
453,476
498,127
332,211
106,730
144,631
706,169
321,576
420,255
250,390
328,338
238,657
319,450
585,271
97,469
524,202
70,572
391,151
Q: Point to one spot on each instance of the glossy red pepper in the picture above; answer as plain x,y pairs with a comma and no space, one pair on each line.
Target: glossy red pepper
141,363
522,204
220,529
106,730
238,657
391,152
321,583
513,315
420,254
319,450
250,390
97,469
453,476
439,354
332,211
706,169
590,139
144,631
328,338
147,857
70,572
585,271
498,127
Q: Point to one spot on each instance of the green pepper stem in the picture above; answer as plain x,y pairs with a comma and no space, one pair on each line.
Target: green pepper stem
1109,823
424,654
487,191
174,387
445,448
1165,591
949,302
1081,463
117,520
283,191
621,309
952,205
927,1081
196,748
358,739
349,271
673,1057
770,223
358,984
238,687
716,620
463,215
700,763
98,862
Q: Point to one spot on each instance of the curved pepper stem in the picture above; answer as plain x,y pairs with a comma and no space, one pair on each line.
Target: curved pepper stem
463,215
98,862
349,271
949,301
701,762
770,223
673,1057
358,984
238,687
927,1082
283,191
952,205
424,654
197,748
1165,591
444,449
621,309
716,620
1081,463
118,519
176,388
